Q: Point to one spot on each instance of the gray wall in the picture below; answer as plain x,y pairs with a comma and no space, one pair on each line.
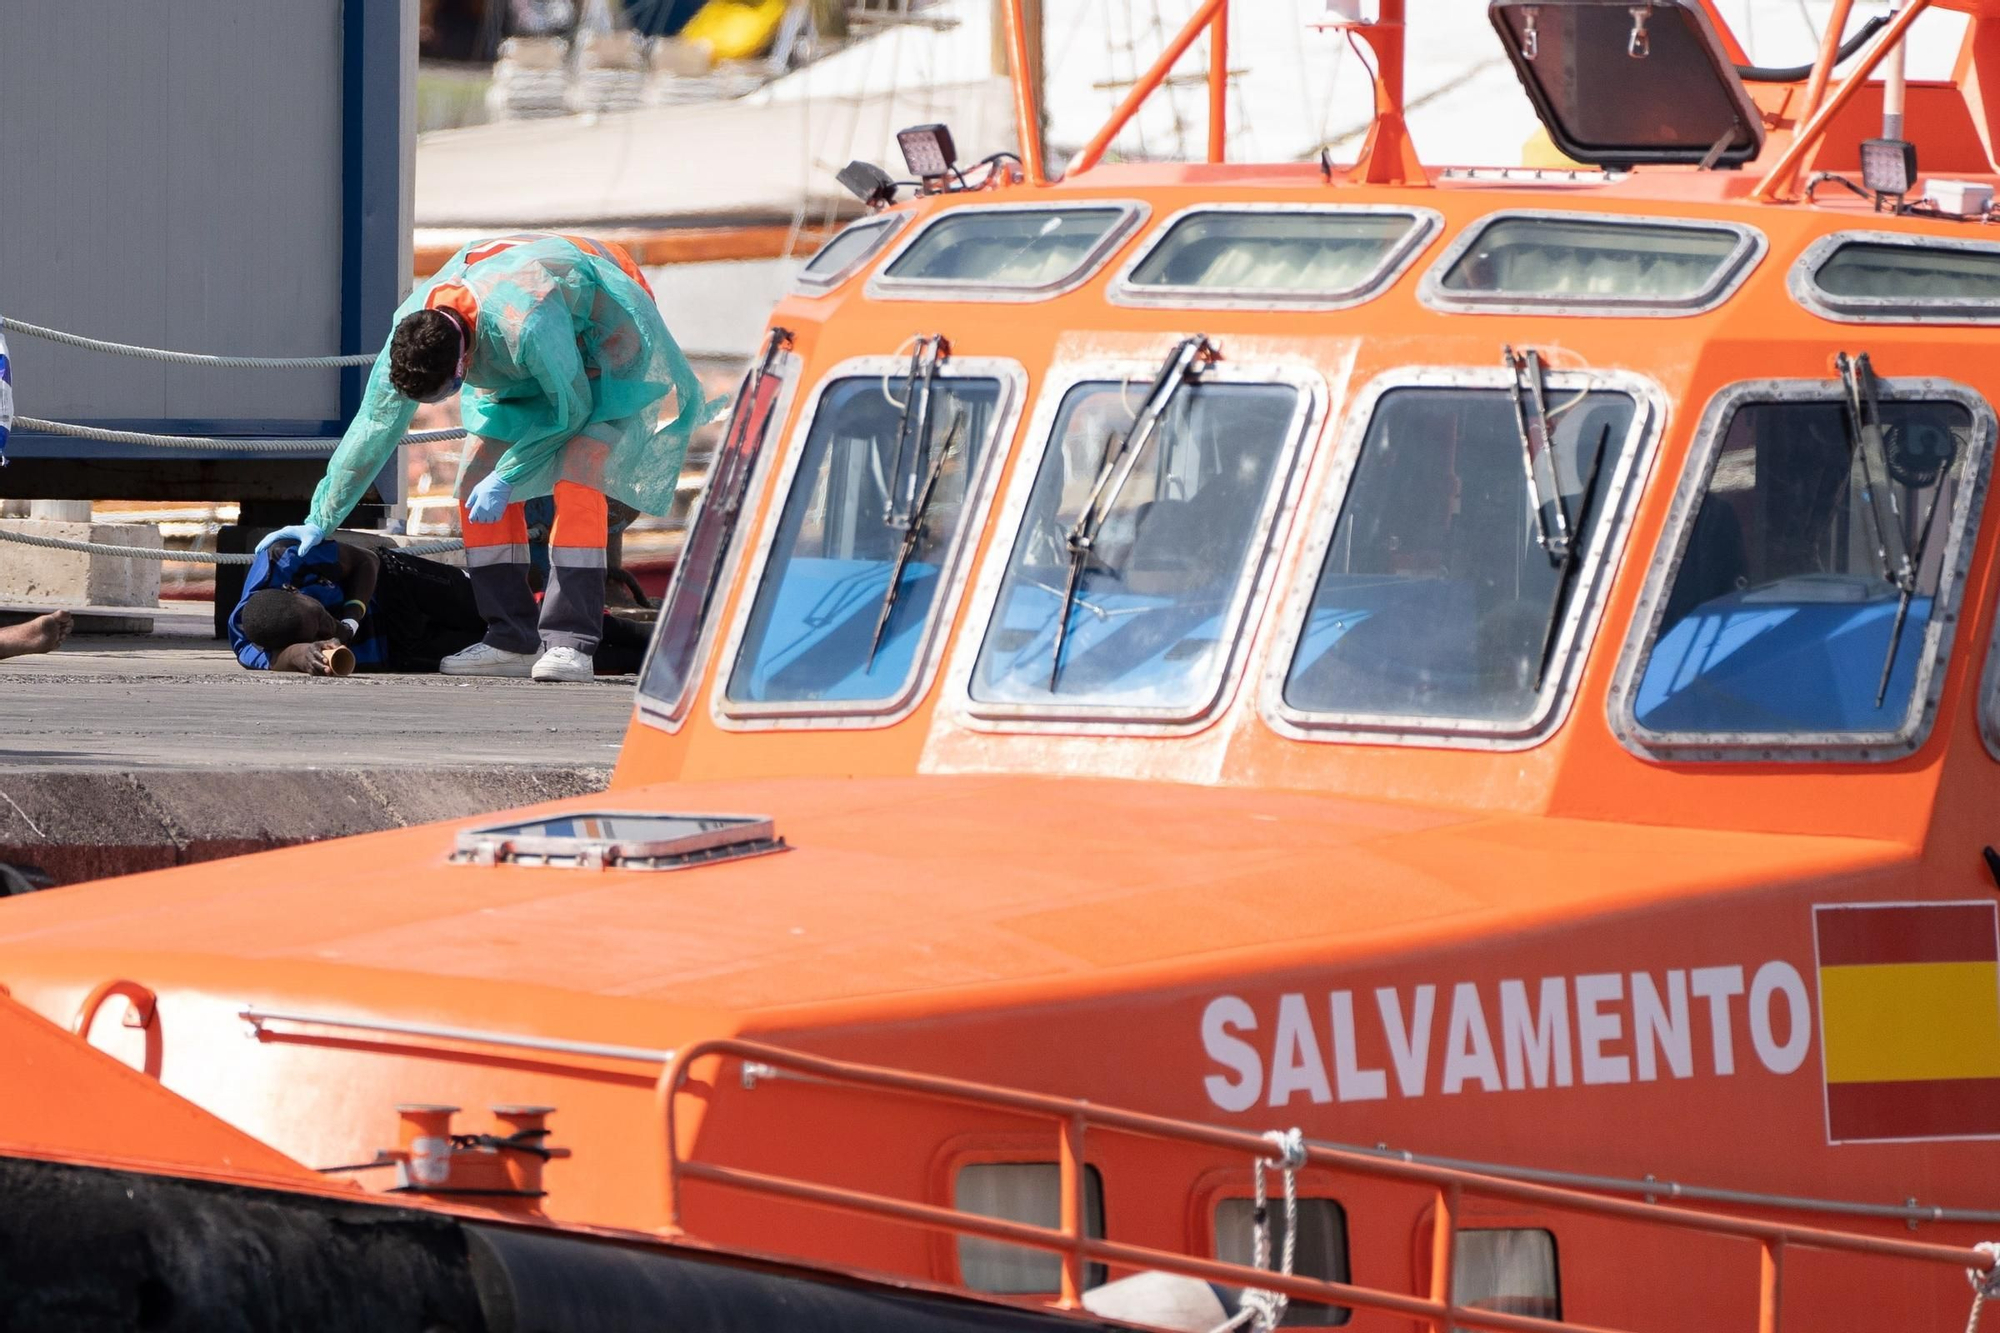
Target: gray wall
170,174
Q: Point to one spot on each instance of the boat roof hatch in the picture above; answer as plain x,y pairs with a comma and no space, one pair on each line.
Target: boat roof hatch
625,839
1619,84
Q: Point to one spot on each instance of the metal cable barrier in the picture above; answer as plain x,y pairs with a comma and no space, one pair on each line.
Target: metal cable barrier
281,445
1070,1240
438,547
187,358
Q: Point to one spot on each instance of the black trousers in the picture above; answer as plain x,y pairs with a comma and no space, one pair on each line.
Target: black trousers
426,612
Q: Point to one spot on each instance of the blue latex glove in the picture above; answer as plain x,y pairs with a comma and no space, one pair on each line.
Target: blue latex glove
307,535
488,500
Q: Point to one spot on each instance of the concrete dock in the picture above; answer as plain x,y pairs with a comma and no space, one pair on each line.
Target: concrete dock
126,753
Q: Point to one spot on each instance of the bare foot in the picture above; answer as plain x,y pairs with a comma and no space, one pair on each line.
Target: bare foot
40,635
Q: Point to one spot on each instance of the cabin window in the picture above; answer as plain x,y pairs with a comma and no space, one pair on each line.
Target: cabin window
1321,1253
837,260
1029,1192
1577,263
1456,578
826,631
1153,608
1509,1270
686,610
1298,255
1874,277
1816,567
1003,252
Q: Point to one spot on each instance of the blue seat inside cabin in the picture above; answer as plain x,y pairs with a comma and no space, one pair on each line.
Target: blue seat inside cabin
1804,654
815,641
1120,642
1367,634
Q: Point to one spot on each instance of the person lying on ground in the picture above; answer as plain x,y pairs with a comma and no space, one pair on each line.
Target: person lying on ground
43,634
396,612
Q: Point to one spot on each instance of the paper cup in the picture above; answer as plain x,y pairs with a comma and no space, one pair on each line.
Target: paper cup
340,660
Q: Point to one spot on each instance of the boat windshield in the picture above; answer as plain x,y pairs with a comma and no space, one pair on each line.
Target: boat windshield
1789,613
1159,597
811,636
1440,599
698,574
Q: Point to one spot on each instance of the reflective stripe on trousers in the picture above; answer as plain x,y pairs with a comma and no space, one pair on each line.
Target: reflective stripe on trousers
572,610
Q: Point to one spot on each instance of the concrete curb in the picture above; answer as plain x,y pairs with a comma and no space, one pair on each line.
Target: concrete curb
81,824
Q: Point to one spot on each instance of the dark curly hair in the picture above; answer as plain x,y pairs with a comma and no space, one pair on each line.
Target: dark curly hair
423,354
277,618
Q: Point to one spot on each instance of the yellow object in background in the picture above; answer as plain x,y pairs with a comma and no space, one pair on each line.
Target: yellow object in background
736,29
1540,151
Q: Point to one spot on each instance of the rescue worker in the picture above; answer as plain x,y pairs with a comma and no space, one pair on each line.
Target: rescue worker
563,364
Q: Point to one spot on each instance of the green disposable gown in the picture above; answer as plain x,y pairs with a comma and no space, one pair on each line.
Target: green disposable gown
571,370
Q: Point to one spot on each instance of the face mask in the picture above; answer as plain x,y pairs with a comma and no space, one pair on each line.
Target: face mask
446,390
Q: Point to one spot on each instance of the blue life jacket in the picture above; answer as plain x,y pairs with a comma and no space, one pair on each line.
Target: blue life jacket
317,575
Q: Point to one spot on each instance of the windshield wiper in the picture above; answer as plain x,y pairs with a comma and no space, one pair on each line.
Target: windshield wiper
913,431
1866,437
1531,420
1554,532
1181,367
1569,564
913,533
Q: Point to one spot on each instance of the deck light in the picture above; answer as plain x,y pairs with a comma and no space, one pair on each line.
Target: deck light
928,151
868,183
1888,167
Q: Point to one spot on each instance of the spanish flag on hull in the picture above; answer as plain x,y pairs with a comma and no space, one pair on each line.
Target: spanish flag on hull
1909,998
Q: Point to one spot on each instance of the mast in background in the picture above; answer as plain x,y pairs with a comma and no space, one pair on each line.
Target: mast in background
1017,55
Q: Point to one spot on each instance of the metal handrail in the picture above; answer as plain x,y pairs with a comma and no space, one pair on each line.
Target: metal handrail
257,1018
1074,1118
1652,1187
144,1007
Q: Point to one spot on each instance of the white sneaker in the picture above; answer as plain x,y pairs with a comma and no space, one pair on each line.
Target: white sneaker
483,659
564,664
